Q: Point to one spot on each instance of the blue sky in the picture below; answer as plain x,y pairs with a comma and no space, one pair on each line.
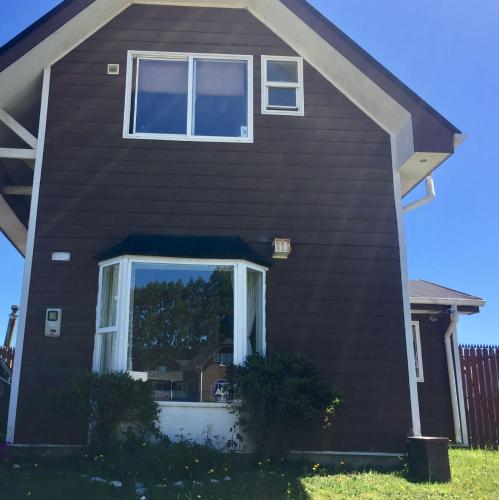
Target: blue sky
447,53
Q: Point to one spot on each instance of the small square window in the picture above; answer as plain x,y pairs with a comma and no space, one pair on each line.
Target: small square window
282,86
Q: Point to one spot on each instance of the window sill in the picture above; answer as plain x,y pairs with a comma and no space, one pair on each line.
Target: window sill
282,112
182,404
181,138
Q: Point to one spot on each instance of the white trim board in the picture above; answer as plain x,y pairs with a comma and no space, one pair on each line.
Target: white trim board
11,421
448,302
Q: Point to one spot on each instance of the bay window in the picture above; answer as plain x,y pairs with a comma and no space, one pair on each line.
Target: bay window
194,97
179,322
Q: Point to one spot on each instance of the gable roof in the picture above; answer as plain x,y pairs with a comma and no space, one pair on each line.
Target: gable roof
67,9
350,68
421,138
425,292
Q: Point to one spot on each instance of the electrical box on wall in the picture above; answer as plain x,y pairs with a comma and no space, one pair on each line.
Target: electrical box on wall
53,319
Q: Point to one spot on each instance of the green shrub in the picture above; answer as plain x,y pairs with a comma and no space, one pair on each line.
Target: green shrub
115,406
277,395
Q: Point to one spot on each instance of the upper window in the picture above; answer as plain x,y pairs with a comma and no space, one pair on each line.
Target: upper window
418,356
282,86
189,97
182,323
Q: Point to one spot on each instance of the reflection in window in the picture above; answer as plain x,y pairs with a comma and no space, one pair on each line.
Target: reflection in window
109,296
418,360
182,329
254,311
162,89
221,98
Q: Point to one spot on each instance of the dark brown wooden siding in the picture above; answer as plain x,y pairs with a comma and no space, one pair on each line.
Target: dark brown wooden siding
434,393
324,180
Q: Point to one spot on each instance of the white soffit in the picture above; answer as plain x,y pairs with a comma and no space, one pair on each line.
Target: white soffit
363,92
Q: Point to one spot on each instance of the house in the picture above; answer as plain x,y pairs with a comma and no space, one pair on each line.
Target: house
435,314
216,177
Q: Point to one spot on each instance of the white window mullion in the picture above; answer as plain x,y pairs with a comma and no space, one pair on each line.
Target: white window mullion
121,337
191,106
240,341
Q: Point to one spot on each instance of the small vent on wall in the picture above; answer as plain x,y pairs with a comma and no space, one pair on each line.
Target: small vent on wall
113,69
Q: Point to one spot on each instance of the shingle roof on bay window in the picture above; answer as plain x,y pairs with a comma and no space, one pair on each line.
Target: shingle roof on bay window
190,247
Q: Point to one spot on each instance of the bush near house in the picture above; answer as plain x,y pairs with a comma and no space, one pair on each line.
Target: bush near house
277,394
117,407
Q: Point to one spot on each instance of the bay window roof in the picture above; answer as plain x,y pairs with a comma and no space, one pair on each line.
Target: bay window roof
190,247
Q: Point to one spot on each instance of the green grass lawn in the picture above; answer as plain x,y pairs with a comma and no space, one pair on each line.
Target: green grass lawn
475,475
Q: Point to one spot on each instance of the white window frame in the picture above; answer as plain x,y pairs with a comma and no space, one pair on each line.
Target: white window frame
188,57
266,85
120,362
416,331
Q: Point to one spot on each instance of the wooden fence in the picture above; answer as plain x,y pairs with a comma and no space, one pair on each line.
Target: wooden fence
7,354
480,370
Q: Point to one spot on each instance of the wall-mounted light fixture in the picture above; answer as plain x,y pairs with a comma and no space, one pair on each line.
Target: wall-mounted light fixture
282,248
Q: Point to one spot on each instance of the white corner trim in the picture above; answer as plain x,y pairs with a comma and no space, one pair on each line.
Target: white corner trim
11,422
413,387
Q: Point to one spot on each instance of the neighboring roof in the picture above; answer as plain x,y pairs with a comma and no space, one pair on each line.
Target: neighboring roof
425,292
189,247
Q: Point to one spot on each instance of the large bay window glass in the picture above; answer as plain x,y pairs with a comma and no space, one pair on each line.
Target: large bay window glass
179,323
195,97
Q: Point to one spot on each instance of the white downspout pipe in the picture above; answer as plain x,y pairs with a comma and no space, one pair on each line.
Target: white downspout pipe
460,392
454,316
430,196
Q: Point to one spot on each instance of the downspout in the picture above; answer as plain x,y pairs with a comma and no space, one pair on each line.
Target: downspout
430,196
460,392
454,317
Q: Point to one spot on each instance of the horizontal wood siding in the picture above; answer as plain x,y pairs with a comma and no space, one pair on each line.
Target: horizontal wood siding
434,393
324,180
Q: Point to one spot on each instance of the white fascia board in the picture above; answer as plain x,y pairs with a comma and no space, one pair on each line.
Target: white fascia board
12,226
221,4
447,302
